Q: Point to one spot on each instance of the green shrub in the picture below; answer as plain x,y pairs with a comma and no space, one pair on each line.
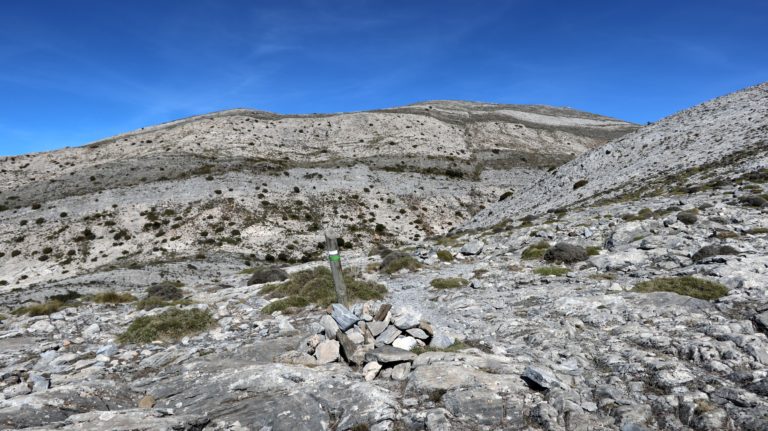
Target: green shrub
167,290
315,286
551,270
593,250
112,297
284,304
753,201
713,250
445,255
169,325
269,274
152,302
535,251
70,295
687,218
566,253
397,260
43,309
758,231
449,283
687,285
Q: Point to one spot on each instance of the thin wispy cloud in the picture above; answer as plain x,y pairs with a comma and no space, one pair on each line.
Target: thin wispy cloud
108,67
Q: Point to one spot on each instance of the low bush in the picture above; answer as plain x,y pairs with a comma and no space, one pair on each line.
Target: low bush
70,295
285,304
169,325
566,253
593,250
713,250
397,260
551,270
753,201
43,309
687,285
687,218
449,283
267,274
445,255
112,297
315,286
167,290
535,251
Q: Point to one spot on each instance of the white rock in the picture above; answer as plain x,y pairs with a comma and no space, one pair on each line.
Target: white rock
42,326
371,370
405,343
327,352
91,331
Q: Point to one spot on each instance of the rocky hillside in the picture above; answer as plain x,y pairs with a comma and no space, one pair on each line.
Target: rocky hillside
263,186
641,306
696,148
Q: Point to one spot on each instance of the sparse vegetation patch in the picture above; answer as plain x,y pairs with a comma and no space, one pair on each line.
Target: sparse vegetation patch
551,270
169,325
687,285
315,286
449,283
535,251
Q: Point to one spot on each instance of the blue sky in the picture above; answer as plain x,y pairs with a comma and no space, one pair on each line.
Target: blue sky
77,71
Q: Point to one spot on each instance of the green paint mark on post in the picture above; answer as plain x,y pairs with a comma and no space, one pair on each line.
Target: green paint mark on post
334,258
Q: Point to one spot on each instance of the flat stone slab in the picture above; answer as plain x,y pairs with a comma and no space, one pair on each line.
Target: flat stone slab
389,354
343,317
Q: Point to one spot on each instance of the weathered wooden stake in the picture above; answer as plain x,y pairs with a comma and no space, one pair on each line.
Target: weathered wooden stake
334,258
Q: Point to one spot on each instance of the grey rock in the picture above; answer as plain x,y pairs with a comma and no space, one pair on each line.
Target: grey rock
134,419
619,260
329,326
348,346
343,317
382,312
16,390
91,331
472,248
437,420
39,383
541,378
441,341
761,321
355,336
401,371
297,358
407,320
377,327
327,352
389,354
475,405
41,326
107,350
417,333
388,336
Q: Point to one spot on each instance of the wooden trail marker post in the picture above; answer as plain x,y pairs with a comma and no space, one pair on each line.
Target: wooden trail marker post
334,258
